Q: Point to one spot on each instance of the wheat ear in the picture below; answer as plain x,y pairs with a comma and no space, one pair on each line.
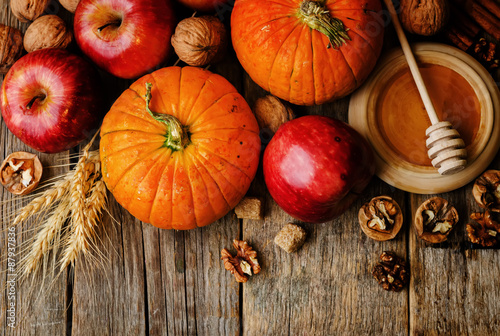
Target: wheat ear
46,236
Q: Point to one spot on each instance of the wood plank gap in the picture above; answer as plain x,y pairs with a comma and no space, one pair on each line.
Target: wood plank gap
241,293
407,207
146,301
185,285
161,280
69,301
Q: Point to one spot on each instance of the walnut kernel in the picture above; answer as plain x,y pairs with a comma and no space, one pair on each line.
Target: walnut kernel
486,190
21,172
244,263
434,220
28,10
199,41
391,272
381,218
11,47
48,31
485,229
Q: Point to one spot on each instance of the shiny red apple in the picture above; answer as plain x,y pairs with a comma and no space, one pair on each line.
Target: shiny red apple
127,38
315,167
205,5
51,100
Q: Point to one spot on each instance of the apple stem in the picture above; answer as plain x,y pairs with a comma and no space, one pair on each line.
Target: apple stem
177,135
32,101
115,23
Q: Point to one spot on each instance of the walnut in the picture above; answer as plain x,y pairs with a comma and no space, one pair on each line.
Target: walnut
28,10
271,113
199,41
11,47
21,172
70,5
250,208
381,218
243,263
434,220
486,230
486,190
290,238
425,17
391,273
48,31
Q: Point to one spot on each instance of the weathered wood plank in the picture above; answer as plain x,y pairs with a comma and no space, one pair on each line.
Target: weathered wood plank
40,309
326,288
108,296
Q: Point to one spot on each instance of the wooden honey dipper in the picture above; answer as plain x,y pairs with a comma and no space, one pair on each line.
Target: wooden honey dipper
445,147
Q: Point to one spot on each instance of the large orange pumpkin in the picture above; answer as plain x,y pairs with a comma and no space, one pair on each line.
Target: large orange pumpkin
189,158
307,51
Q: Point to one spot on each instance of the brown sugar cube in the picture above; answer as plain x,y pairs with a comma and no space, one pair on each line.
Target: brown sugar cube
290,238
249,208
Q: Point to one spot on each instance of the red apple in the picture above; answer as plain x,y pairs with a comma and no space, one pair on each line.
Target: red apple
204,5
315,167
127,38
51,100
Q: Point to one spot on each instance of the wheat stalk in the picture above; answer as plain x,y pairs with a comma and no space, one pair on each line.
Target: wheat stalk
45,238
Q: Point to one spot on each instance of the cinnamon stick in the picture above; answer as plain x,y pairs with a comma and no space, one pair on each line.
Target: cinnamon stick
492,6
456,40
460,19
466,40
483,18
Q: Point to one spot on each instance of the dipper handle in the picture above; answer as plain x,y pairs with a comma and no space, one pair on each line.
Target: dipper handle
446,148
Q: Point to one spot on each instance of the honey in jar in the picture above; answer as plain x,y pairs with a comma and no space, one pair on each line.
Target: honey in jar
402,119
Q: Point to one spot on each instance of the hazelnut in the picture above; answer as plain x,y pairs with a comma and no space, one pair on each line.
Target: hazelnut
48,31
70,5
21,172
11,47
199,41
381,218
486,190
271,113
28,10
434,220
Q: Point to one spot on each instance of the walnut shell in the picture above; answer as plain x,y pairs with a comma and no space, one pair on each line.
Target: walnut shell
70,5
21,172
48,31
199,41
424,17
486,190
430,215
369,211
28,10
11,47
271,113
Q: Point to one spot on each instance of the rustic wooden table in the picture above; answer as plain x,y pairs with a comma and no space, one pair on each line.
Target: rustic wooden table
158,282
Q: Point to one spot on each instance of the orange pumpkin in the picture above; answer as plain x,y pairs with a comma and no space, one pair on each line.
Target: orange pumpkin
181,153
307,51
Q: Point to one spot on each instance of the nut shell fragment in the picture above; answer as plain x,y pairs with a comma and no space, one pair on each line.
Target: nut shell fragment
424,17
11,47
28,10
199,41
70,5
381,219
21,172
48,31
434,220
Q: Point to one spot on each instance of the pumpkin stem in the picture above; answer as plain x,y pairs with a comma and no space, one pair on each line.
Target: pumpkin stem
315,14
177,136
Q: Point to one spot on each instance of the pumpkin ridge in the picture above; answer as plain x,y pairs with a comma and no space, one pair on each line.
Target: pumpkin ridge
194,123
208,163
350,69
142,157
146,175
188,117
277,53
149,120
186,167
155,84
156,193
172,193
128,148
264,24
208,175
312,66
363,38
223,159
133,130
147,117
